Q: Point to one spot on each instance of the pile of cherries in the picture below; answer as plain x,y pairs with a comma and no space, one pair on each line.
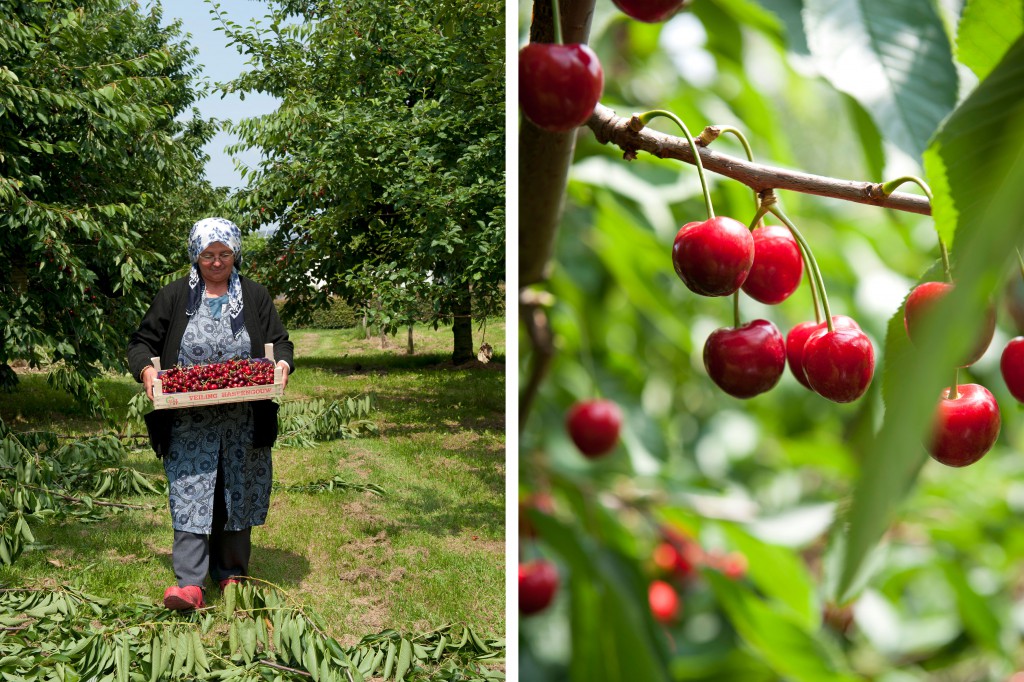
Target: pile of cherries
237,373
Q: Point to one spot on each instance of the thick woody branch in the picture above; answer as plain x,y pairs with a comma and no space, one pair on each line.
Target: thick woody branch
611,128
544,157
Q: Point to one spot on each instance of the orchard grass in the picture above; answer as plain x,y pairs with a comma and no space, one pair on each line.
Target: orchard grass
427,553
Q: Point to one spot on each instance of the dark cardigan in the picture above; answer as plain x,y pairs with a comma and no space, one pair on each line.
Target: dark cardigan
160,333
163,327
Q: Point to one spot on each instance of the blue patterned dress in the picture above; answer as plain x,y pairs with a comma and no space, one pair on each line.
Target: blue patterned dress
201,436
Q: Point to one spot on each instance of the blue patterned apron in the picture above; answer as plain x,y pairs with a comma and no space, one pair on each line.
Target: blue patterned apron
202,436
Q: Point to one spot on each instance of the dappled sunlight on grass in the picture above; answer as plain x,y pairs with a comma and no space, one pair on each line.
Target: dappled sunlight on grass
428,552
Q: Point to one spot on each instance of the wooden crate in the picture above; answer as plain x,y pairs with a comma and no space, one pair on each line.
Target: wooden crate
172,401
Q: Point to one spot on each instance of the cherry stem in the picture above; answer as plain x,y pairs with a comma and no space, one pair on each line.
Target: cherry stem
736,310
556,19
814,289
954,393
812,264
890,187
646,117
1021,261
746,147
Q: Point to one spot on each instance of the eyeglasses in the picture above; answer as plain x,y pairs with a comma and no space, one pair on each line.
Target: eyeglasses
225,257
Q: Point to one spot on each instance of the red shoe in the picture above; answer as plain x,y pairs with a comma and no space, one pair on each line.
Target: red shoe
229,581
184,598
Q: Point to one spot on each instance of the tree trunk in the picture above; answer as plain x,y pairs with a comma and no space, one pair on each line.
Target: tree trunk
410,349
462,328
545,157
366,325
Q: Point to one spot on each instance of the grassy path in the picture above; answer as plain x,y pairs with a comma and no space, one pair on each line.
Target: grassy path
428,552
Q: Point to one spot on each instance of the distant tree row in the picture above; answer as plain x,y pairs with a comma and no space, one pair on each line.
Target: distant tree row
383,167
382,171
101,166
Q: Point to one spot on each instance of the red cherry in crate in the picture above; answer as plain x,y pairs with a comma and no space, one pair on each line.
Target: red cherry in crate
649,11
1011,364
966,427
745,361
559,85
839,364
538,583
797,338
594,426
777,268
663,600
924,298
713,258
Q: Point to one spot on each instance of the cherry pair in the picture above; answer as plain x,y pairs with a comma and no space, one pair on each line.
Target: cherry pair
966,421
718,256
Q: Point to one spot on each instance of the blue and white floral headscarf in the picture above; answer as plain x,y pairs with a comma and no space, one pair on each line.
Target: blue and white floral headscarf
205,232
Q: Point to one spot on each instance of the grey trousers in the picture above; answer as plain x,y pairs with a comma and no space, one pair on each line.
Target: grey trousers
223,553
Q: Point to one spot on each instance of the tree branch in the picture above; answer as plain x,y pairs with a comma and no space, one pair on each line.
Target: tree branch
611,128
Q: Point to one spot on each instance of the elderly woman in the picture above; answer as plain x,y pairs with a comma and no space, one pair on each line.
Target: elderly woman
217,457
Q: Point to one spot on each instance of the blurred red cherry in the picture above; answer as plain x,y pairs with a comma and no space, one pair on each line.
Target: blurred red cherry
663,600
538,583
594,426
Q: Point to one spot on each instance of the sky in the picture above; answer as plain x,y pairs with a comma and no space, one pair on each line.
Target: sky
221,63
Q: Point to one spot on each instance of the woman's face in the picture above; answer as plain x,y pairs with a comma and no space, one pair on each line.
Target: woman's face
215,263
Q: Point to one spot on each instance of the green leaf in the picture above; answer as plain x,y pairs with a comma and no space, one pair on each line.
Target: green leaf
780,575
977,614
987,29
792,651
389,660
613,635
892,57
616,230
976,169
870,139
961,164
404,660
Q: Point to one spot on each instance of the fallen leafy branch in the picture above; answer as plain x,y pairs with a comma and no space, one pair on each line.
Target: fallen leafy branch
74,635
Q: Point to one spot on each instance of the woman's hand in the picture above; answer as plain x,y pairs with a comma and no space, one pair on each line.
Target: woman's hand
284,372
148,376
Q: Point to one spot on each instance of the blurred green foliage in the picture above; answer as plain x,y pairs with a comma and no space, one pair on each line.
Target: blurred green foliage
784,478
